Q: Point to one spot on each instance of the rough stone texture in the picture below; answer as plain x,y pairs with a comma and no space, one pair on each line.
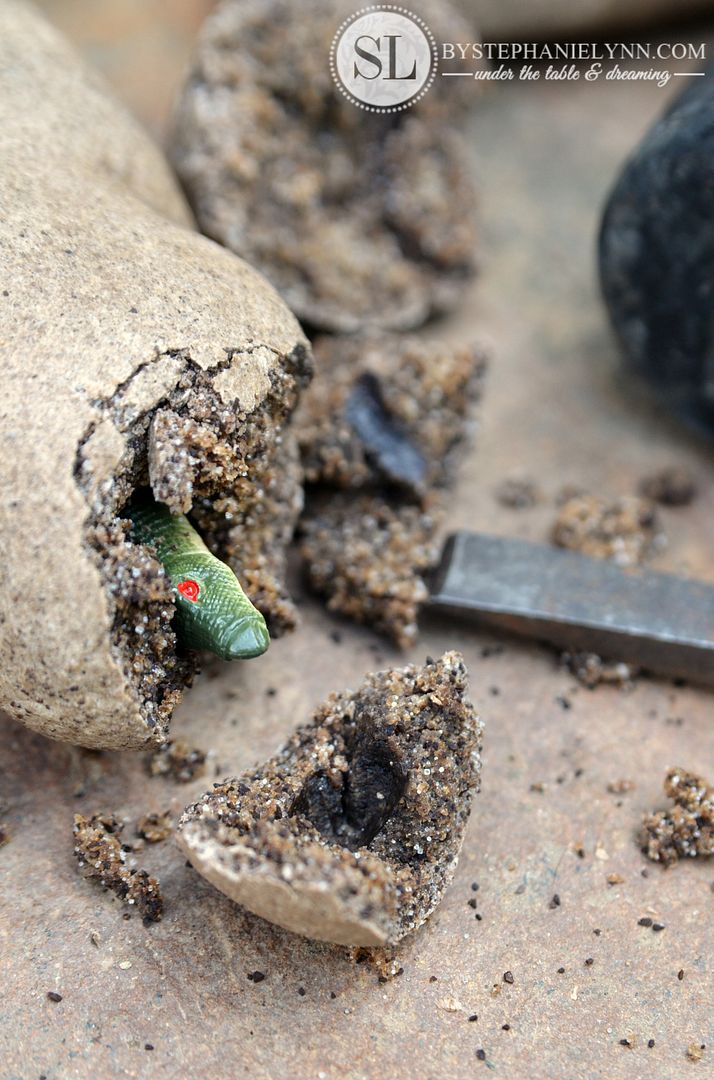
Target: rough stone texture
554,410
357,219
368,556
388,410
380,431
353,830
686,830
657,255
102,855
625,530
109,307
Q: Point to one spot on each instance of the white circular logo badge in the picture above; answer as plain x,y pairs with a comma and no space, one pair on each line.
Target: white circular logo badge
383,59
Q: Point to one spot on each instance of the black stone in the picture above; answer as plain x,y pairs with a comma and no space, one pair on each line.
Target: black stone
657,255
387,444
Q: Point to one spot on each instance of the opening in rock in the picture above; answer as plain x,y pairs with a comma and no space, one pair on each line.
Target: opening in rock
354,808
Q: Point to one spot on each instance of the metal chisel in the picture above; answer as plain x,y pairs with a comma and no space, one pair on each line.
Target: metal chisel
662,623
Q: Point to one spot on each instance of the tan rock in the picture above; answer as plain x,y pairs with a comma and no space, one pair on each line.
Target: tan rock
358,219
352,832
110,306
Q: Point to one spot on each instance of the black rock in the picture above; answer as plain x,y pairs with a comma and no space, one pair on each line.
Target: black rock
657,255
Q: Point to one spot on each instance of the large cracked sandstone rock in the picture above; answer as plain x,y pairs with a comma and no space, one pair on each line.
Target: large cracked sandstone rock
133,350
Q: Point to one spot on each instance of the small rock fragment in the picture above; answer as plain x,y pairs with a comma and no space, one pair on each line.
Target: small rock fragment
176,760
591,670
671,486
621,787
154,827
687,828
518,493
625,530
352,831
450,1004
99,851
368,557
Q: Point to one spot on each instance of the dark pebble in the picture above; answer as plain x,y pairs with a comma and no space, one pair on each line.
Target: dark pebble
644,921
148,1046
473,1017
680,974
590,961
657,926
384,438
481,1055
650,1043
508,977
53,995
555,902
657,254
256,976
561,971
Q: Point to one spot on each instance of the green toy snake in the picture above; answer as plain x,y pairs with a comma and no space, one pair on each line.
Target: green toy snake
212,611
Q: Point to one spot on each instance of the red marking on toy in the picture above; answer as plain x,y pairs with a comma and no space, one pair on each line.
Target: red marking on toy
189,590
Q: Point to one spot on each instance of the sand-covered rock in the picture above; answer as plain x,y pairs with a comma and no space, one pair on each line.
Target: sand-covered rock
380,432
352,831
358,219
133,350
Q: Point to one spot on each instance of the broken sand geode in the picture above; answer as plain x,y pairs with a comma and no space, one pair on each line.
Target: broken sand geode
133,350
388,410
380,431
358,218
368,556
352,831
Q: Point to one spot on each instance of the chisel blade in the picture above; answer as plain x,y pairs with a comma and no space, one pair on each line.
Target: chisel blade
661,623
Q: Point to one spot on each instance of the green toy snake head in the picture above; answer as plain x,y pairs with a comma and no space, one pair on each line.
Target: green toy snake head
212,611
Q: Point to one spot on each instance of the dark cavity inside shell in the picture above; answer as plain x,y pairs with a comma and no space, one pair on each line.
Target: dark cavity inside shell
354,807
